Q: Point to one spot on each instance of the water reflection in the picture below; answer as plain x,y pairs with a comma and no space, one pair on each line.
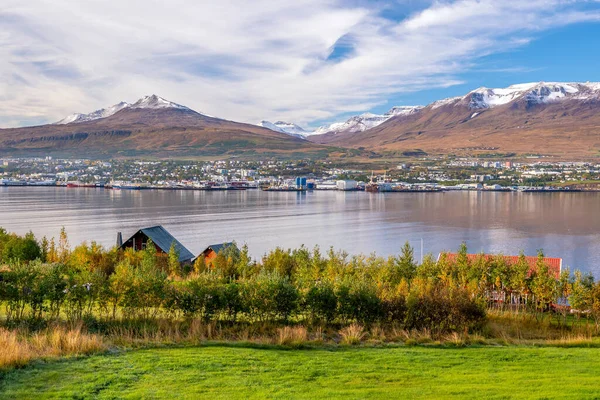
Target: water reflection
563,224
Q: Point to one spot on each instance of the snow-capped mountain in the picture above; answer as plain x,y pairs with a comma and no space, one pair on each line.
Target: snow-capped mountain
357,123
147,102
550,118
285,127
101,113
361,123
151,126
155,102
529,93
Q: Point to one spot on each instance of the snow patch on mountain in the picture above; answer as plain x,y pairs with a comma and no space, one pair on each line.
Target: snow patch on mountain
155,102
532,93
360,123
443,102
152,102
102,113
402,110
285,127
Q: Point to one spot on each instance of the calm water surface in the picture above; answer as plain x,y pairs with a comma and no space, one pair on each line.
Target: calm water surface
563,224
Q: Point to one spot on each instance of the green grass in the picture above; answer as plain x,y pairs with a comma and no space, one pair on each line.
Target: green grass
239,372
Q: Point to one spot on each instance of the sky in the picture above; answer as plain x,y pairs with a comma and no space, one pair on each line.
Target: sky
309,62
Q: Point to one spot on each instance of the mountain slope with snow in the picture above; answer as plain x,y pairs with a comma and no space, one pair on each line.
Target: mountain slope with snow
152,102
363,122
286,127
102,113
150,127
529,93
155,102
357,123
542,118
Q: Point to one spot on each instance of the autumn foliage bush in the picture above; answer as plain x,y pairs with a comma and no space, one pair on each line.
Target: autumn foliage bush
284,287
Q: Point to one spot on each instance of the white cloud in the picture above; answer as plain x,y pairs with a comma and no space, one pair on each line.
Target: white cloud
248,61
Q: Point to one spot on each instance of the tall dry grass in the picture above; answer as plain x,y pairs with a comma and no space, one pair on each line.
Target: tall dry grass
21,347
352,334
292,335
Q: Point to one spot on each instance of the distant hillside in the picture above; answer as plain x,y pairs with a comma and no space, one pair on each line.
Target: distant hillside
357,123
560,119
152,126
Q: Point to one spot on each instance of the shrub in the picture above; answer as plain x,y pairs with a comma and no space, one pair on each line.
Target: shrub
321,302
19,248
358,302
394,309
440,310
271,296
233,303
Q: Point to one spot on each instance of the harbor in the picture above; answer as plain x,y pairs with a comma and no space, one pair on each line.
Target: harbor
291,185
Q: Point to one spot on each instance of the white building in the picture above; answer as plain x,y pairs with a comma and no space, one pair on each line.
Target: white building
346,185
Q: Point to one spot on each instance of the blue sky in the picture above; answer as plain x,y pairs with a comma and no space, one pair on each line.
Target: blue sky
566,54
305,61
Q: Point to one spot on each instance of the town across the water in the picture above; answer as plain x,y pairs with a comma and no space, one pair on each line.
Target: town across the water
424,175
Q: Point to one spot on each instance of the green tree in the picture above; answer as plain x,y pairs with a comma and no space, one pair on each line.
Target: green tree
64,249
244,264
544,285
463,265
21,248
406,263
174,265
321,302
580,297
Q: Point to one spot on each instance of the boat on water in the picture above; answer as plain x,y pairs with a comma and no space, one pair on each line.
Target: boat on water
417,190
127,186
546,190
284,188
12,182
371,187
222,186
47,182
278,189
80,185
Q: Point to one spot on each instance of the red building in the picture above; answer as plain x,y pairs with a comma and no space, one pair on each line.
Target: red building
210,253
554,264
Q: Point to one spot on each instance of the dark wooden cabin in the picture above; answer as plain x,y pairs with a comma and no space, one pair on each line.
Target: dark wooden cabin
162,240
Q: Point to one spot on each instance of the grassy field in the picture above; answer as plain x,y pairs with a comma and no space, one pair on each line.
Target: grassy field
229,372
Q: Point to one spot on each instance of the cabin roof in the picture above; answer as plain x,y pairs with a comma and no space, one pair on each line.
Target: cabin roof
163,239
554,263
218,247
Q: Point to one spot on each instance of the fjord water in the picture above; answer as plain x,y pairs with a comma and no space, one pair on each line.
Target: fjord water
564,225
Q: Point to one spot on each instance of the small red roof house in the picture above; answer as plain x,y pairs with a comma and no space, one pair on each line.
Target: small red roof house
554,264
210,253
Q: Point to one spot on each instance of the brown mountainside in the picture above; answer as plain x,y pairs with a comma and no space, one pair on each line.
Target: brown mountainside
569,127
156,132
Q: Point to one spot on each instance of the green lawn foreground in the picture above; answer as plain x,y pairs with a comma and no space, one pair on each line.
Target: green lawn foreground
221,372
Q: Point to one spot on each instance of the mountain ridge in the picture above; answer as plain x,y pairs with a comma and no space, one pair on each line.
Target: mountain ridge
356,123
540,118
151,126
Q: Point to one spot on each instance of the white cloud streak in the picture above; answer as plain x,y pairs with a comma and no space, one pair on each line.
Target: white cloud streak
247,61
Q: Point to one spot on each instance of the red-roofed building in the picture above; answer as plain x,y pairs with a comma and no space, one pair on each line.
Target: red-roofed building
554,264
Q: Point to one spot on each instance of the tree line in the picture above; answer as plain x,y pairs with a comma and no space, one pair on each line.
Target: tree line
44,280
